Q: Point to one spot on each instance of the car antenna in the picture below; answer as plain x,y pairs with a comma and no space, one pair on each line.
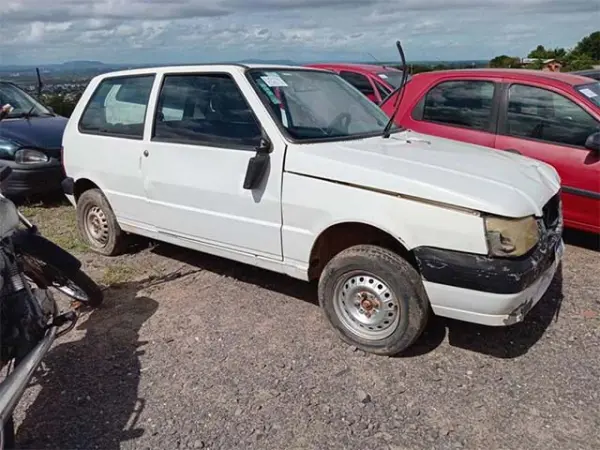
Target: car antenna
376,60
388,126
39,93
39,80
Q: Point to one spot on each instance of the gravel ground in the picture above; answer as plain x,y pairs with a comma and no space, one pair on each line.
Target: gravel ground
191,351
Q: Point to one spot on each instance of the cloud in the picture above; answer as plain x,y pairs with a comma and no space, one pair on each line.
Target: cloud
199,30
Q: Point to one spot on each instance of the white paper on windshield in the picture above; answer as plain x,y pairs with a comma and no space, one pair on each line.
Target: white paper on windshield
588,93
273,80
383,75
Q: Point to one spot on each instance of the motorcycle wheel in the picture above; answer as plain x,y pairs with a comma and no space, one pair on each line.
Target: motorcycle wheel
75,284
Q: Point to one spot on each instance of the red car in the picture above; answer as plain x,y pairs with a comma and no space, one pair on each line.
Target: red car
550,116
374,81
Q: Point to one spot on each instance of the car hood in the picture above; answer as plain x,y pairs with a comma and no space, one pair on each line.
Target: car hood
434,169
44,133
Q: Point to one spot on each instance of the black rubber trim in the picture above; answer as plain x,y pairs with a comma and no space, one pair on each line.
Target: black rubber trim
68,186
485,273
581,192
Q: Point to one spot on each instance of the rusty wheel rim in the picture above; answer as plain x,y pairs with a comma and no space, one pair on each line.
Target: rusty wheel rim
366,306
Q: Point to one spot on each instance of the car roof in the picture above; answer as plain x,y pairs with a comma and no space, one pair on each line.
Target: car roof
186,68
369,68
522,74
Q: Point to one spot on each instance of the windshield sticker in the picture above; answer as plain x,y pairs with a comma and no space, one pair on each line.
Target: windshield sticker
383,75
588,93
272,97
273,80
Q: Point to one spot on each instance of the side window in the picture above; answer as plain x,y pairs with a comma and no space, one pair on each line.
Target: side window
204,109
465,103
538,113
383,91
118,107
359,81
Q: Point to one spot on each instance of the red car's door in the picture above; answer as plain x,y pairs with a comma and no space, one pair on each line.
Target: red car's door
552,125
460,109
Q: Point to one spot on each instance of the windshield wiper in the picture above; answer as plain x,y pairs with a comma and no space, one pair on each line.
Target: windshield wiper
386,130
29,113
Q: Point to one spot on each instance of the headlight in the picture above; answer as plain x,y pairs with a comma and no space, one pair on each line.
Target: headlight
511,237
7,149
29,156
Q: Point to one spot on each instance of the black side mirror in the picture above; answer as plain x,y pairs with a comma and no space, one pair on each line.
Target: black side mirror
257,166
593,142
264,145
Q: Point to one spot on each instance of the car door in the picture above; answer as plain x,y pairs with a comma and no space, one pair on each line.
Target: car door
545,124
203,136
109,144
362,83
460,109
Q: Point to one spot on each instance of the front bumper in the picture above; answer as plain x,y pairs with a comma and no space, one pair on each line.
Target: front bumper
486,290
31,179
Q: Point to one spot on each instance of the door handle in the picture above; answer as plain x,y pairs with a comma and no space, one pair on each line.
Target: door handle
511,150
146,153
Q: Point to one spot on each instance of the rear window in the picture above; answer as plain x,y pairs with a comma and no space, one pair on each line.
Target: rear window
393,77
591,91
118,107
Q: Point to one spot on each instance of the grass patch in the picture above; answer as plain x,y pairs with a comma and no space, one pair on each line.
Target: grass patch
118,273
56,222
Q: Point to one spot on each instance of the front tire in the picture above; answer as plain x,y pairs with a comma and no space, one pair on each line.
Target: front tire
98,224
73,283
374,299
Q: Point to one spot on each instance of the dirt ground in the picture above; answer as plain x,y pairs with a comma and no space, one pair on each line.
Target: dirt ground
192,351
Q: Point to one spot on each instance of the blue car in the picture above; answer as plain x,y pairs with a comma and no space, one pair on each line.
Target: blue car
30,143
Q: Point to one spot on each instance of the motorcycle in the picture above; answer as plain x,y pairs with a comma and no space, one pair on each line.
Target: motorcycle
30,321
47,264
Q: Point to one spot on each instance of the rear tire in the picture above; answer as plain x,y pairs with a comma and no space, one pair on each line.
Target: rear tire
97,224
374,299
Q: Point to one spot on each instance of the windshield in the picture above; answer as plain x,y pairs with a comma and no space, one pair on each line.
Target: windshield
21,101
313,105
393,77
591,91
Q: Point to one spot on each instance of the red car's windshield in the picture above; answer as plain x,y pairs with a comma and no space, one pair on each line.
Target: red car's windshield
591,91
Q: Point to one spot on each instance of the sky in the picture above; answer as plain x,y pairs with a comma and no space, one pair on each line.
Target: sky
183,31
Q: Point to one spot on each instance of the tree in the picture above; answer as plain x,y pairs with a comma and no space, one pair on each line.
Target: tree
590,46
542,52
578,61
505,61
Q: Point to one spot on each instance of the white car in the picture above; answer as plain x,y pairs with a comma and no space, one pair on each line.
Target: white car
286,168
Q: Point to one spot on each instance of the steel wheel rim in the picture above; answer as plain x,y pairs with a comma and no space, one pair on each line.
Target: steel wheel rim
96,226
366,306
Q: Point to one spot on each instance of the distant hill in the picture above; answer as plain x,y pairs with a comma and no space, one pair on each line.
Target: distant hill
99,66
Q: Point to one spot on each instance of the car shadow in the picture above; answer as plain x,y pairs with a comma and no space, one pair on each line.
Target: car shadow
583,239
500,342
274,281
89,387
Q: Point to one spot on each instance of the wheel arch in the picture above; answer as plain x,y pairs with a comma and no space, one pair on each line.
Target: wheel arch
340,236
82,185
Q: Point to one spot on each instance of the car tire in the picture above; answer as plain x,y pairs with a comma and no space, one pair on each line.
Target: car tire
97,224
386,288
